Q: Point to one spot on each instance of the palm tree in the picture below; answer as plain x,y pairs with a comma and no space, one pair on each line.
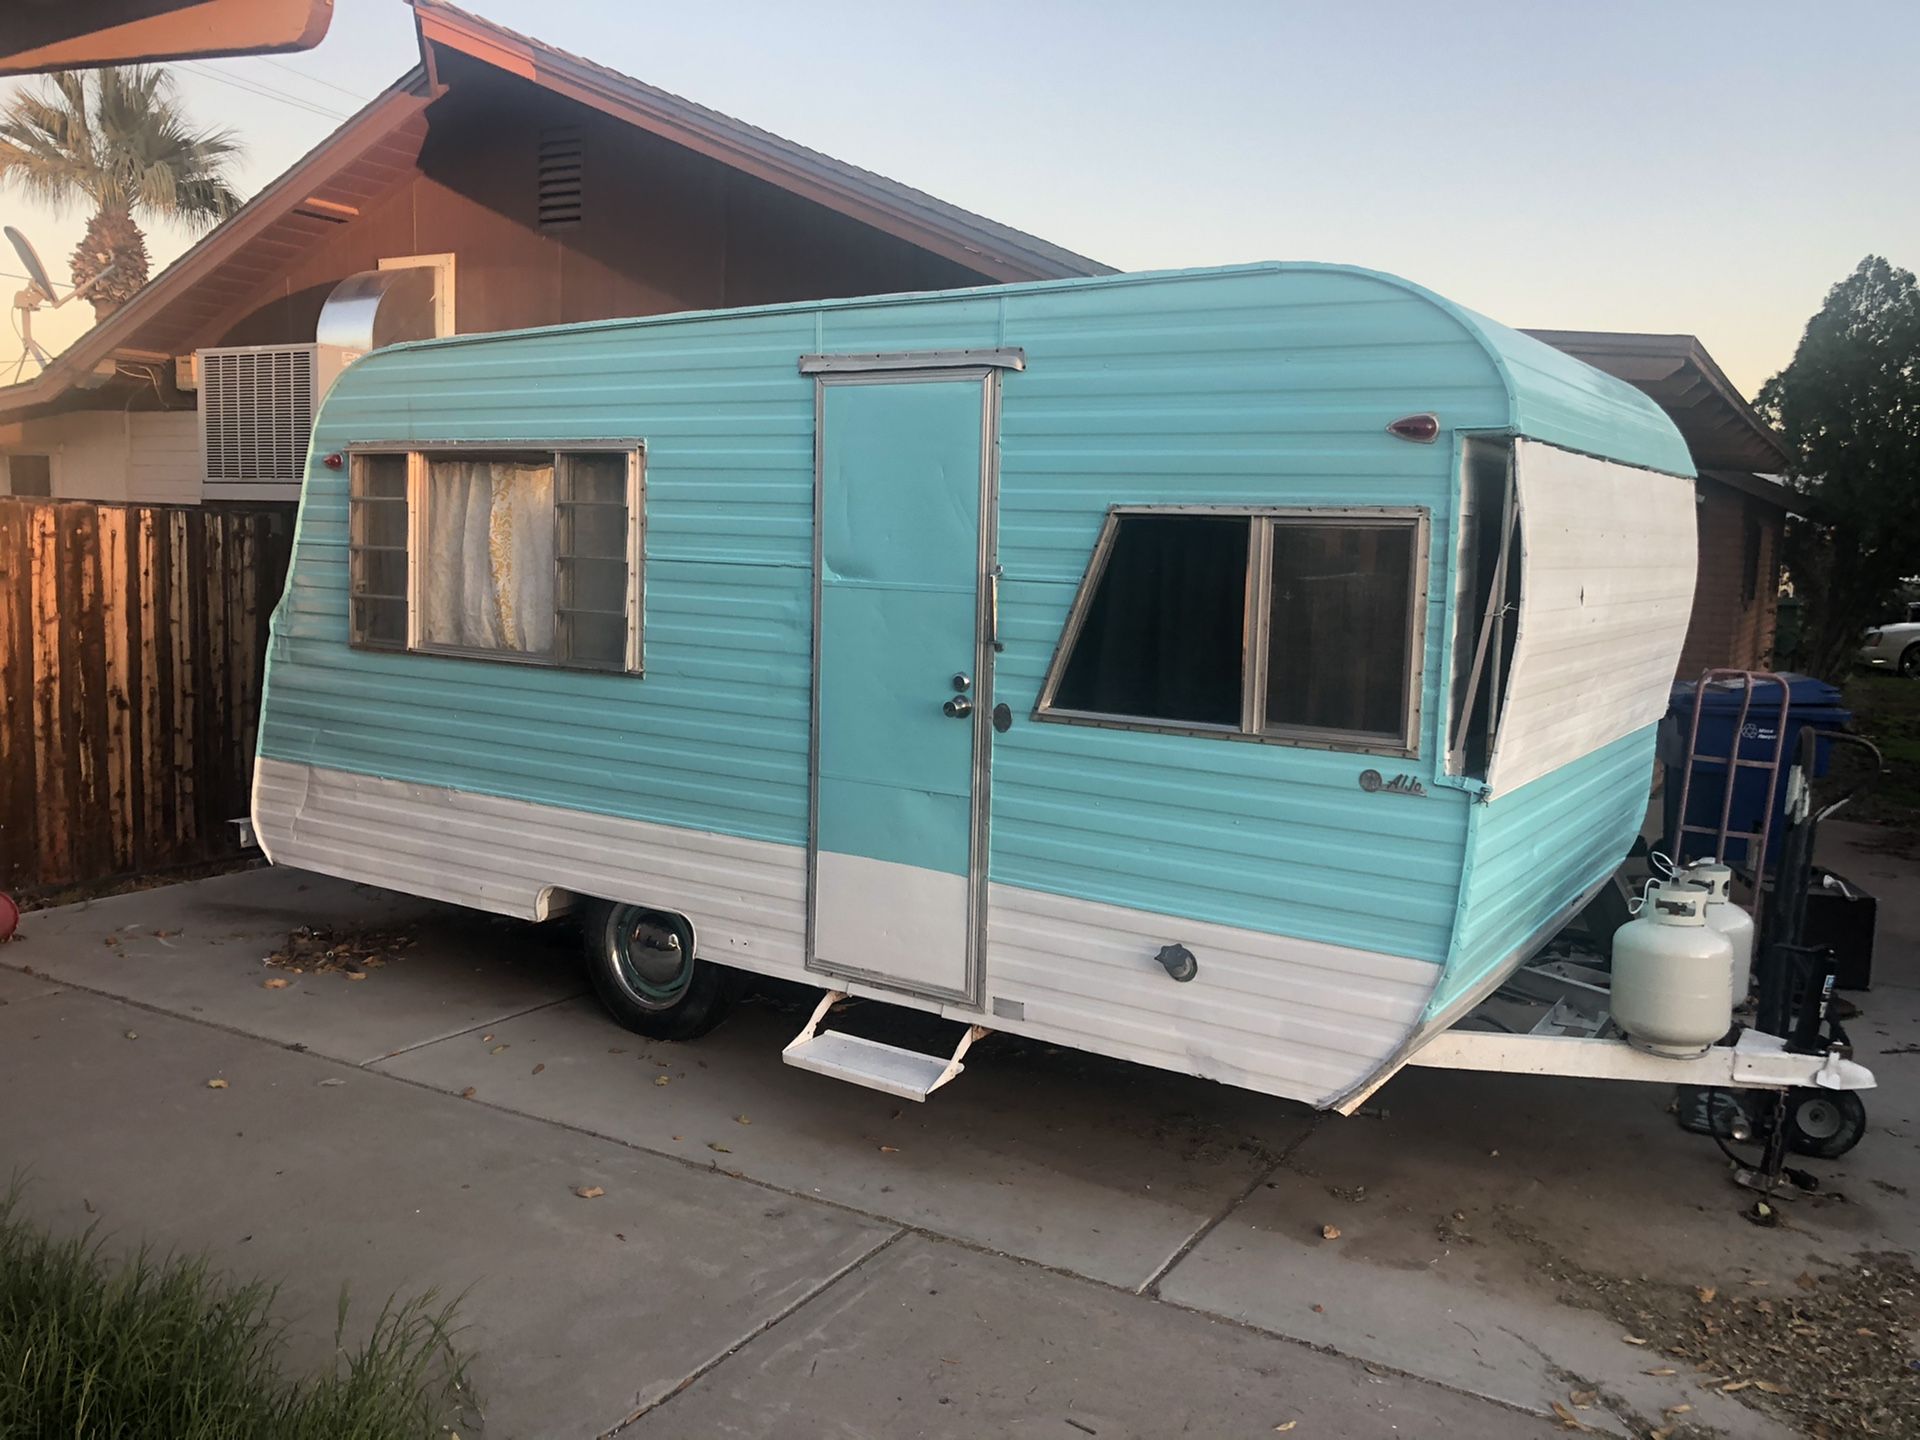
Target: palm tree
126,146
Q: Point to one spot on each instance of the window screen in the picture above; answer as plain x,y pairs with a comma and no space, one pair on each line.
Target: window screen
524,554
1337,632
1162,637
377,550
1320,648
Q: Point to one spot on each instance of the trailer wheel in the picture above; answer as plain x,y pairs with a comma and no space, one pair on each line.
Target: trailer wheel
1824,1123
643,969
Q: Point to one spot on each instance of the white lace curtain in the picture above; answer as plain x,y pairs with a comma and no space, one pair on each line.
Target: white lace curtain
490,562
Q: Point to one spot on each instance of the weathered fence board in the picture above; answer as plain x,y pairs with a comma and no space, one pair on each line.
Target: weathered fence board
132,640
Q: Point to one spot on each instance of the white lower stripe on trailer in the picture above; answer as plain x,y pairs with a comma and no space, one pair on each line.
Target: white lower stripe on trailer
1285,1016
746,899
1298,1018
900,924
1755,1062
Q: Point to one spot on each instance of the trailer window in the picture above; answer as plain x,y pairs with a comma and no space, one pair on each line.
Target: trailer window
1296,627
1161,638
1486,605
1339,633
525,555
377,551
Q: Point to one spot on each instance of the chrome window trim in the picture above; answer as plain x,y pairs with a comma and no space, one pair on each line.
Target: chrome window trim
417,453
1004,358
1256,657
356,637
1508,552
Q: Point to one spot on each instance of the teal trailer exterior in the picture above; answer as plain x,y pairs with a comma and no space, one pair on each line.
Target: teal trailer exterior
991,651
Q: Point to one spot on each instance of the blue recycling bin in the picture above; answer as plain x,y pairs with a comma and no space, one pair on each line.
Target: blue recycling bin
1812,704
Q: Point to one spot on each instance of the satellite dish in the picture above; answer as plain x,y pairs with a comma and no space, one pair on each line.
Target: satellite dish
39,292
36,272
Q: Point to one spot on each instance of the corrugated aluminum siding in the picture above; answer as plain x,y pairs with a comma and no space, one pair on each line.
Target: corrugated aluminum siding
1270,386
1532,853
1265,385
1606,596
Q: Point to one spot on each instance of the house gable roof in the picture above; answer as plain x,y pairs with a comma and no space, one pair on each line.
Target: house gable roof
996,250
215,280
1720,427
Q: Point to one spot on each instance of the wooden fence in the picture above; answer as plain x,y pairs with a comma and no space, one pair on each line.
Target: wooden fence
132,640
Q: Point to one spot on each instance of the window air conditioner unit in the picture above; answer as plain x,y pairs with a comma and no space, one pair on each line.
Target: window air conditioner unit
257,404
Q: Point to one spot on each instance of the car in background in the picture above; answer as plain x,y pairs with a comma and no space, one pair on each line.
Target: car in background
1893,647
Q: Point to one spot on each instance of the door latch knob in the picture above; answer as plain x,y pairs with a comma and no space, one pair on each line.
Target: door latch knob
958,708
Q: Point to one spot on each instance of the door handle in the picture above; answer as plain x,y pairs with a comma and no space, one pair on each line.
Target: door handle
957,708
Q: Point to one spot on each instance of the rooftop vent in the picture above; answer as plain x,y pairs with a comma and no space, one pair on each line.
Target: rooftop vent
562,161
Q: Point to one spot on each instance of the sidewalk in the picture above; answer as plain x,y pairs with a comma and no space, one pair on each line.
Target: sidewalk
1056,1245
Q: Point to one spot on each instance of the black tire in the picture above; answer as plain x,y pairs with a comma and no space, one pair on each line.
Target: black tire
1825,1124
643,969
1910,661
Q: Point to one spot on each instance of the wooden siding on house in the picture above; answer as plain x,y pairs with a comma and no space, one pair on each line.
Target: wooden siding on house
142,457
163,457
1736,597
662,228
132,640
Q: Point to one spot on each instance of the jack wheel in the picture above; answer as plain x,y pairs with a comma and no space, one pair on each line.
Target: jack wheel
642,966
1825,1124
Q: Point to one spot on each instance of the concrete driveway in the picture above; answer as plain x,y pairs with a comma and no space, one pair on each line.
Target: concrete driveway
1054,1246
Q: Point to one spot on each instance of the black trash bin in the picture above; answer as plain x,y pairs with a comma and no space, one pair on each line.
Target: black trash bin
1811,703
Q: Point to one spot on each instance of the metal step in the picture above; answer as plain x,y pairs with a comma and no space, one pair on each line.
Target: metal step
909,1074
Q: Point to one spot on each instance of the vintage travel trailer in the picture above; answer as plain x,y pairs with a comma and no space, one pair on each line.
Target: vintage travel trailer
1238,671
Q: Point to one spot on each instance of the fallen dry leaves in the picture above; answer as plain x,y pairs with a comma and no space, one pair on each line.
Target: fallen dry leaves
278,982
216,1084
320,950
588,1192
1568,1420
1329,1232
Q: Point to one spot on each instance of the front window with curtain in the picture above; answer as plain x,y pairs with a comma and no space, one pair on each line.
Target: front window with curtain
526,555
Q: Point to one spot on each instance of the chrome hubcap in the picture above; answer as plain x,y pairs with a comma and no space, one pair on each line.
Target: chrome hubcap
653,963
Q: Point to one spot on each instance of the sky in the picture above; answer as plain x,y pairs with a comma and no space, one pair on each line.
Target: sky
1701,166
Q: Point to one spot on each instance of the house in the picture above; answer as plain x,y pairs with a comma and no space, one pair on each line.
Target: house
513,185
1742,507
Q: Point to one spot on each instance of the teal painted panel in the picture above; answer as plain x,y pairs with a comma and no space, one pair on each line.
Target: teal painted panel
1266,384
1530,853
900,543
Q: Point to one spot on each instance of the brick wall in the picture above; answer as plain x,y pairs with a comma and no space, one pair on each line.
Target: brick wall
1736,592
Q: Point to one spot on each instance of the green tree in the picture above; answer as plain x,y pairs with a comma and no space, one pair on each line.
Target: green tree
1849,406
119,140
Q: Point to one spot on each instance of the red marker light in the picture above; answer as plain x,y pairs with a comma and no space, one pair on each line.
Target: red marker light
334,461
1423,429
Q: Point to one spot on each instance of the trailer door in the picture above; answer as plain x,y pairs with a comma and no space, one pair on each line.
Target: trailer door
903,567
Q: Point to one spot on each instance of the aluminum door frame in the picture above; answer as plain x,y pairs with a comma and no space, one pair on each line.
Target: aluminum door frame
910,370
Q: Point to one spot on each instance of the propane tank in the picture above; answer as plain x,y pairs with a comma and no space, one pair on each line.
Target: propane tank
1670,972
1730,919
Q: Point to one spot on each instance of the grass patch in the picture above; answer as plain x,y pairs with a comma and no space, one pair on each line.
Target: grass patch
1886,709
154,1346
